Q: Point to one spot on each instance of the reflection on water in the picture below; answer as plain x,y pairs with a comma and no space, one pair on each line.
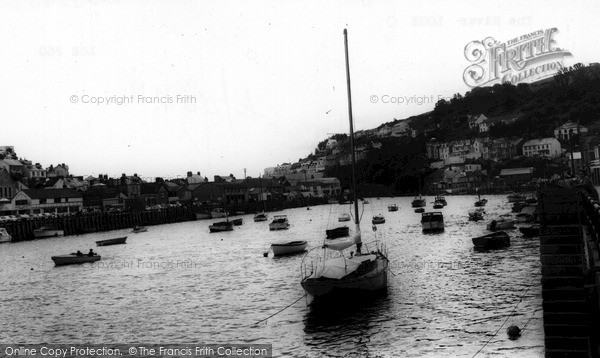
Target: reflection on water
178,284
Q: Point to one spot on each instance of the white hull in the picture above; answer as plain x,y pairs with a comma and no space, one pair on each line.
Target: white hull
279,226
47,233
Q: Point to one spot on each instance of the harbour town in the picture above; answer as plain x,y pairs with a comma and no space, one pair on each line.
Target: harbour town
150,205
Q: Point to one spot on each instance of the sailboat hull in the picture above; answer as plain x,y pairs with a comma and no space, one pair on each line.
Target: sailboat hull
375,280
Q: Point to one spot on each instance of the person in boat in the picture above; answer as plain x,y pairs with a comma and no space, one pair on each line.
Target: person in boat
91,253
493,225
79,253
585,183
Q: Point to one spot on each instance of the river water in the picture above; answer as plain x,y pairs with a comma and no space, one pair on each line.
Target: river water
179,284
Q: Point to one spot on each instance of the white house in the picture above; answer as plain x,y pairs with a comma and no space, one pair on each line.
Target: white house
566,130
36,201
545,147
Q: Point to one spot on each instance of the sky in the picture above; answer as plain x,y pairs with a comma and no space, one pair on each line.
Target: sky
159,88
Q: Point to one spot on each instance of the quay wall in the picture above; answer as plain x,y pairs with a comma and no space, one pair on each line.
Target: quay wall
81,223
569,254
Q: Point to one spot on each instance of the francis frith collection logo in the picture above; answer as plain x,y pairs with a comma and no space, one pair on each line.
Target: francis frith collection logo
527,58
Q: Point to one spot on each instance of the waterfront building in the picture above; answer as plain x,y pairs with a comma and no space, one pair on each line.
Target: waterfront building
516,176
154,194
38,201
101,197
545,147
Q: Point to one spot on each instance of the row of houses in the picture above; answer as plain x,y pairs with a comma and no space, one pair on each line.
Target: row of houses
494,149
131,193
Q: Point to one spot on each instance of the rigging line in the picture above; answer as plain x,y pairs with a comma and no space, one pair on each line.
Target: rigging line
532,315
506,320
281,310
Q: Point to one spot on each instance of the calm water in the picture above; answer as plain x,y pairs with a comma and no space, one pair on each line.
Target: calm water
179,284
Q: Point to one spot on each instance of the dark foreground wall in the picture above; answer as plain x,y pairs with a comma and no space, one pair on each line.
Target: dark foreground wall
570,276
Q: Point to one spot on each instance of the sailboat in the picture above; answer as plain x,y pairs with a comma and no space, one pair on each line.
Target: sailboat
336,270
419,201
222,225
480,202
261,216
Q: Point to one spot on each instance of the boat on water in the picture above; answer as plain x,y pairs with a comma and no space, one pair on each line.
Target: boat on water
480,202
344,217
288,248
419,210
261,217
503,222
432,221
45,231
527,214
74,259
138,229
494,240
378,219
475,214
341,231
532,230
418,202
221,226
280,222
438,204
441,199
115,241
392,207
4,235
513,198
237,222
336,270
218,213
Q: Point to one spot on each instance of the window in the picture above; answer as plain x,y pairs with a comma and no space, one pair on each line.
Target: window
57,200
43,201
21,202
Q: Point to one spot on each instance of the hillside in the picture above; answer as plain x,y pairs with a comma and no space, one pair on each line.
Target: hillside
572,95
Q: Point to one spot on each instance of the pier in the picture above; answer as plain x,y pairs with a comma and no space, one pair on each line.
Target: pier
570,258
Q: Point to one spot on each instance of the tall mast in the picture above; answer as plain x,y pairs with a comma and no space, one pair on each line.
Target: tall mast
356,219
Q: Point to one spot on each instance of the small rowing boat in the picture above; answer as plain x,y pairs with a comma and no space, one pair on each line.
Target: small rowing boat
74,259
288,248
115,241
495,240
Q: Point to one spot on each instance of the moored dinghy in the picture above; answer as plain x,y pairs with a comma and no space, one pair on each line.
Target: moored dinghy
495,240
280,222
221,226
74,259
531,230
115,241
138,229
288,248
